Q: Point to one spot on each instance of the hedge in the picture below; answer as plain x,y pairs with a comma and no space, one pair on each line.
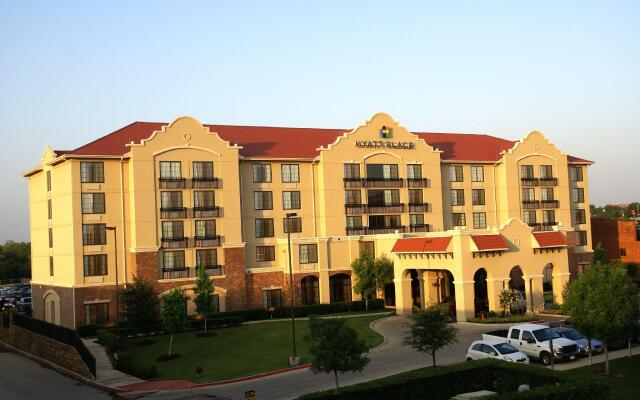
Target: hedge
497,319
129,365
87,330
445,382
109,340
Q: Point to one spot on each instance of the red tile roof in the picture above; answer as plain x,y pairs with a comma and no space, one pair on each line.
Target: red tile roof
422,245
490,242
277,142
550,239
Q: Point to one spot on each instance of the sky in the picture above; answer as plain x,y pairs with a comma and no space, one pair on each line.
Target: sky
74,71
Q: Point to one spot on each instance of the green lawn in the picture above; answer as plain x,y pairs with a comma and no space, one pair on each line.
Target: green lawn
239,351
624,382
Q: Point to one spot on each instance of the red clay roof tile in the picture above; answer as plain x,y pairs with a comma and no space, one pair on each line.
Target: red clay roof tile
422,245
550,239
490,242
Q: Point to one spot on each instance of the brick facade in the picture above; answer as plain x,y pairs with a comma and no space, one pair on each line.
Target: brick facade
619,239
576,259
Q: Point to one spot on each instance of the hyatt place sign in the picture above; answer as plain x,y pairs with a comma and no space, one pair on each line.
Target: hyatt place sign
385,144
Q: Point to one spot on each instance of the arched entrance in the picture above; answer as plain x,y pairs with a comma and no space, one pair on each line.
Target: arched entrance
481,298
52,307
390,295
310,290
516,282
415,288
340,288
547,285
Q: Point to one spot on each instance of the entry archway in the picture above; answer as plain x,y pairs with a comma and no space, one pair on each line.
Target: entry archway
340,288
52,307
310,290
481,298
516,282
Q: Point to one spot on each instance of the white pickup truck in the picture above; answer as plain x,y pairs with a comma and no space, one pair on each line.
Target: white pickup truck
533,340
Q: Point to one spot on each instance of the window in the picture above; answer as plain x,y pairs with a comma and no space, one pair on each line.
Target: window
296,225
526,171
170,170
477,173
546,172
477,197
170,200
206,229
202,170
50,265
93,203
310,290
261,173
173,260
387,197
352,171
272,298
455,173
528,195
262,200
548,217
415,196
416,219
479,220
515,333
49,209
204,200
384,221
579,216
290,173
96,313
576,173
207,258
458,219
94,234
528,336
215,303
529,216
91,172
354,222
95,265
581,238
368,246
48,181
547,194
623,252
264,227
172,230
414,171
50,238
308,253
577,195
382,171
291,200
352,197
457,197
265,253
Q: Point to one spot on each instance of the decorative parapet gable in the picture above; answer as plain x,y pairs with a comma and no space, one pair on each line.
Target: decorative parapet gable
534,143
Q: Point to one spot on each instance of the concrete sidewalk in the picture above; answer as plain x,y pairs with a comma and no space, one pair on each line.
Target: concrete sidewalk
597,359
105,373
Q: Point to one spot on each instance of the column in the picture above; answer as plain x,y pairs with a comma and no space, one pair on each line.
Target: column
324,286
403,296
431,291
560,280
465,307
421,283
535,295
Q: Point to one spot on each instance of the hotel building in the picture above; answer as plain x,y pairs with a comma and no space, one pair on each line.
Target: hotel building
462,216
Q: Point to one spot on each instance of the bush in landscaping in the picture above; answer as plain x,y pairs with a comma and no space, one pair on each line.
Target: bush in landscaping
496,319
129,365
108,339
87,330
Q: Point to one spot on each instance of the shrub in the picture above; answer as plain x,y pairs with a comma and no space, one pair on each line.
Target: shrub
129,365
87,330
506,319
108,339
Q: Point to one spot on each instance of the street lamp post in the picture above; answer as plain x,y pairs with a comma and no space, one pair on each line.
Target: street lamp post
115,245
294,359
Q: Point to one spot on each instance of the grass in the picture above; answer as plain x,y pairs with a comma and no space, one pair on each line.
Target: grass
624,382
238,351
506,319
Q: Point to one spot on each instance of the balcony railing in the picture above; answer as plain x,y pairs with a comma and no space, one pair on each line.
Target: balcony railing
174,243
530,181
172,183
383,182
420,228
384,209
206,241
548,226
422,207
530,204
382,230
549,204
190,272
548,181
206,183
173,213
352,182
206,212
418,182
356,230
214,270
355,209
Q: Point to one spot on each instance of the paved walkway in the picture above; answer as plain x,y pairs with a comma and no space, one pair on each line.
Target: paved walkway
584,361
106,374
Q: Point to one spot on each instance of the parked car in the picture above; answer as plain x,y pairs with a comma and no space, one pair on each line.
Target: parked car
24,291
24,305
533,340
583,343
496,349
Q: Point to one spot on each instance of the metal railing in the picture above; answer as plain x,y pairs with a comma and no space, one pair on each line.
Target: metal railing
173,213
548,181
206,183
352,182
383,209
529,181
418,182
190,272
206,212
172,183
420,228
422,207
355,209
383,182
549,204
206,241
530,204
174,243
363,230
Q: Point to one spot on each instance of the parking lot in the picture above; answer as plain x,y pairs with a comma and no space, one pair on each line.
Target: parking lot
16,296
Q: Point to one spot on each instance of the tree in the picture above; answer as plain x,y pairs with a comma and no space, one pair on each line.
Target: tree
174,313
141,305
15,260
372,275
383,271
203,292
508,297
335,347
599,254
430,331
603,302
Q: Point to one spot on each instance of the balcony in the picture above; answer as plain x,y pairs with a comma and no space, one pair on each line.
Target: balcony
206,241
190,272
173,213
383,230
383,182
206,183
530,204
172,183
385,209
548,226
422,207
420,228
355,209
174,243
206,212
549,204
356,230
529,181
548,181
214,270
352,182
418,182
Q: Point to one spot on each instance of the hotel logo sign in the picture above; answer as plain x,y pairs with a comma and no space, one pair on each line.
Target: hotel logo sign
385,133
